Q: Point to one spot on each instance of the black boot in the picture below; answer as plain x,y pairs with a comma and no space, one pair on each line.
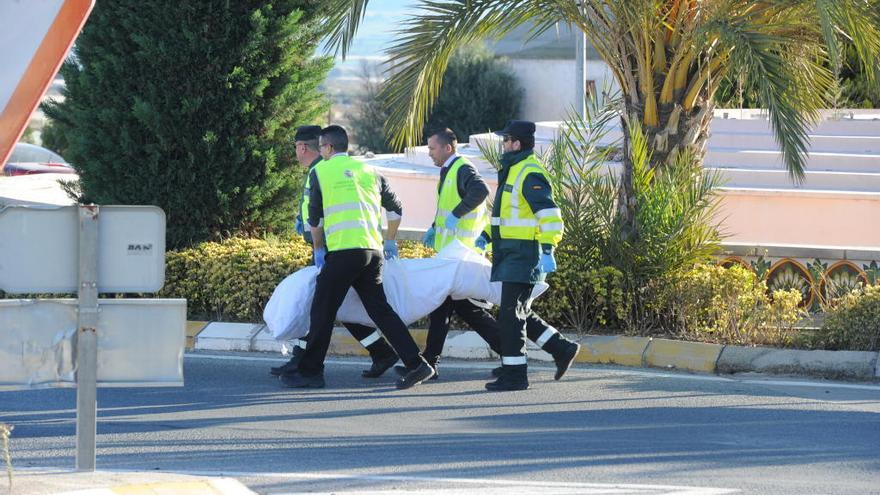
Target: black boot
296,379
416,376
383,357
563,351
290,366
434,362
512,378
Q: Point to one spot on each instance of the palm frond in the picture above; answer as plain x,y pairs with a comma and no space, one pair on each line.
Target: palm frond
342,20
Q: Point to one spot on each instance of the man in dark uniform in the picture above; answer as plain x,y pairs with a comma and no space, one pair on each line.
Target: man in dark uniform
345,201
383,356
526,226
462,215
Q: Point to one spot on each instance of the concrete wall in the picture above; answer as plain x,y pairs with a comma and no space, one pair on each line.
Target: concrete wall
549,85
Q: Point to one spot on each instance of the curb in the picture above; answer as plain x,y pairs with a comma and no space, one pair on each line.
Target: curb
646,352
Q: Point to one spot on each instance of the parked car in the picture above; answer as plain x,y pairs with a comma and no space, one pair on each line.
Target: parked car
27,159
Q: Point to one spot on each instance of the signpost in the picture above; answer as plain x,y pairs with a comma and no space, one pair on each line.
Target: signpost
88,250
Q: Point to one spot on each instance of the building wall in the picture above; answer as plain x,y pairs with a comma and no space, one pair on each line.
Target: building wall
549,85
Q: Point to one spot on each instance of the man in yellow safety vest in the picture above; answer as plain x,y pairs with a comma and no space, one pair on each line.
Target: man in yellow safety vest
462,215
308,154
345,202
525,227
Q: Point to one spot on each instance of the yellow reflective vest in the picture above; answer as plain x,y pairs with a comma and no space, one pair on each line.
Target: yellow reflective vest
352,204
515,218
469,226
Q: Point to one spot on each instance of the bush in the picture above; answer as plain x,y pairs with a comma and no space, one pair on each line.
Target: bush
581,298
232,280
853,324
731,306
192,106
479,93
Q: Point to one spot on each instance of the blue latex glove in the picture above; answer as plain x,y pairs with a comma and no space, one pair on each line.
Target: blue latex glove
428,238
547,263
481,242
319,256
451,221
299,226
390,248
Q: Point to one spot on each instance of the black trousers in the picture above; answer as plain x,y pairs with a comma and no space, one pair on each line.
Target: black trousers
360,269
476,317
518,320
486,326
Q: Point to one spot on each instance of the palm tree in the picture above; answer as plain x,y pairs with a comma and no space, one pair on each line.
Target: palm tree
668,56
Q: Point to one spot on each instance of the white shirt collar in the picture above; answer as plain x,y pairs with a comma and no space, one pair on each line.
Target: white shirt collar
449,160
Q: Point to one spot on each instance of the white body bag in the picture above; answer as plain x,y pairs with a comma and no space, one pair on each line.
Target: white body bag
414,288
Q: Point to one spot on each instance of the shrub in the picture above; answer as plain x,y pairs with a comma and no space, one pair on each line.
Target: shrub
581,298
479,93
732,306
853,324
192,106
232,280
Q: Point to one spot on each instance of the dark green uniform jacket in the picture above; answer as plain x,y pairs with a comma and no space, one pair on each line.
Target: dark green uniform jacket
515,260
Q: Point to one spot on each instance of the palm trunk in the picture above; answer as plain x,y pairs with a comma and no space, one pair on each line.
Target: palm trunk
680,131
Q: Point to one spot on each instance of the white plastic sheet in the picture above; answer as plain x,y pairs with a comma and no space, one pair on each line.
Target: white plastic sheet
414,287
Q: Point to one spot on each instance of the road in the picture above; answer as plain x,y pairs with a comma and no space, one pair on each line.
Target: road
599,430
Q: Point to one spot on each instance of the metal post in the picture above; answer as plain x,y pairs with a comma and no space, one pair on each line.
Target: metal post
87,340
580,96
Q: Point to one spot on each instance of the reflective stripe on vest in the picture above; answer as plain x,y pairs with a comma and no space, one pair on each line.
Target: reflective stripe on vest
469,226
517,221
352,204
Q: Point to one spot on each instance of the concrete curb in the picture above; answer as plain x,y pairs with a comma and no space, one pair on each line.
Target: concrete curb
827,364
595,349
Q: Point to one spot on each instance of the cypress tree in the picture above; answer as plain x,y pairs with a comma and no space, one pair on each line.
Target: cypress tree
192,106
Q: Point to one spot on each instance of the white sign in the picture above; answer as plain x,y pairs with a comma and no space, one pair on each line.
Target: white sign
35,36
140,342
39,249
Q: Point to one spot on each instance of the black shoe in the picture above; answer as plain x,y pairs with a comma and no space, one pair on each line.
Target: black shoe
564,359
496,372
379,367
403,370
297,380
289,366
416,376
504,384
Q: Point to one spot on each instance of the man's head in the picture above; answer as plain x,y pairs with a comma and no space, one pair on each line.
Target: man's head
307,148
518,135
334,140
441,145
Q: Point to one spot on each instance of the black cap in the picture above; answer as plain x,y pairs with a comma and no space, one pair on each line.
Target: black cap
518,128
307,133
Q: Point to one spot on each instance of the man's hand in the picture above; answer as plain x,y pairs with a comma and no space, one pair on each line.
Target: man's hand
482,241
428,238
319,255
547,263
451,221
390,249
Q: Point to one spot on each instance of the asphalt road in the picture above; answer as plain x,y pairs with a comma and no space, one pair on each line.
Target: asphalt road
599,430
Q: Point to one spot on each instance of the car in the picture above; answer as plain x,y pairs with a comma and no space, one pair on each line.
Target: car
28,159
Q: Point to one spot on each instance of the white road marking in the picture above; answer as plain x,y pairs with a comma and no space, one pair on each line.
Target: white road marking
612,371
473,485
